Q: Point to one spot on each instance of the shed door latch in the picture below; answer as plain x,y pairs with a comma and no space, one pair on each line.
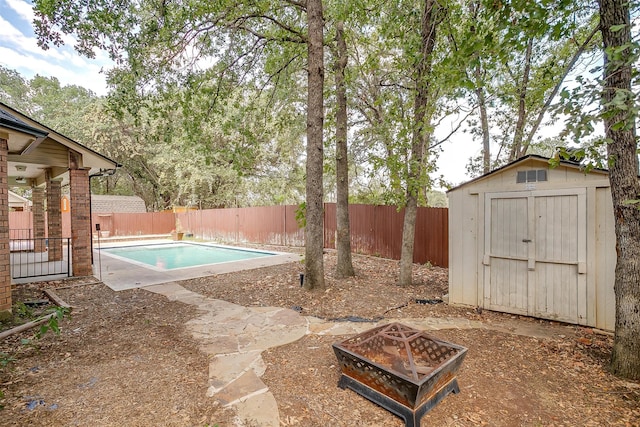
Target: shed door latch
526,240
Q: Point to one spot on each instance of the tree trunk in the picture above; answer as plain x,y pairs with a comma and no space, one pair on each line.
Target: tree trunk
344,265
518,136
484,121
474,8
623,176
420,133
314,241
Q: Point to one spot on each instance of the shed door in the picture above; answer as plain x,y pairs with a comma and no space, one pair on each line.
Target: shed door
535,248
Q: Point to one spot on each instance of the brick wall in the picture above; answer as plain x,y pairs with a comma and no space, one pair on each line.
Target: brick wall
5,267
80,222
39,225
54,218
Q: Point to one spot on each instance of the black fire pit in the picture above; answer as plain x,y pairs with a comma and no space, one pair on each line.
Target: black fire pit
402,369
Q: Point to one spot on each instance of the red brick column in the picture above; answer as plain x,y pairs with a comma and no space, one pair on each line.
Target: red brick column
39,230
80,222
5,262
54,219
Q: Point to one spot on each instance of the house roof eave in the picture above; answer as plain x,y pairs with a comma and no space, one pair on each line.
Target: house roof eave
95,159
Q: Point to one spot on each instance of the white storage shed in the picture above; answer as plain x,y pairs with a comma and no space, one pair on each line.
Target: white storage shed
531,240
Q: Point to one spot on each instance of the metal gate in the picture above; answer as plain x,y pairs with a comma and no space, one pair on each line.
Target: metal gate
40,257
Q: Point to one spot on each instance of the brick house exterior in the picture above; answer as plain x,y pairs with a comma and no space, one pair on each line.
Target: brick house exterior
37,157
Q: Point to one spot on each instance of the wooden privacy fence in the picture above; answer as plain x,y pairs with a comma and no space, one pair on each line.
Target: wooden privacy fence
114,224
375,230
21,225
134,224
273,225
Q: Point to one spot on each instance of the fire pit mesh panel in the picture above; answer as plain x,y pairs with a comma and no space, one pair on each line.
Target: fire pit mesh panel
402,350
378,378
430,352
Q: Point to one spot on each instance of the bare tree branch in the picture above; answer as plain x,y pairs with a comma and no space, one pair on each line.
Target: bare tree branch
453,131
556,89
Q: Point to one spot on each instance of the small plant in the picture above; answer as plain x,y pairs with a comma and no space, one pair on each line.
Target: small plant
5,360
53,323
428,264
22,310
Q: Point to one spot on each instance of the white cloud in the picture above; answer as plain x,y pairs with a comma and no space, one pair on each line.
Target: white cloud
12,33
25,11
76,60
12,37
22,8
20,51
29,65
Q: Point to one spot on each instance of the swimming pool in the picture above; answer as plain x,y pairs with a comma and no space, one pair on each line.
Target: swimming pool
171,256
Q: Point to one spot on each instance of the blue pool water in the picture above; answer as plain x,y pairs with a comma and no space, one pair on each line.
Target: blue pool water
181,255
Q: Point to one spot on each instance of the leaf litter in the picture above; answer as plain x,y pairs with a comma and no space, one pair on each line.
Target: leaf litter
126,358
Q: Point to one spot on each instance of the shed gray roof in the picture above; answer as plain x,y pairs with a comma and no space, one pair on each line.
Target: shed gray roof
526,158
117,204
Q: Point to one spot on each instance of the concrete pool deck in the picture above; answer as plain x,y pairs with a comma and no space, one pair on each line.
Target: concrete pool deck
120,275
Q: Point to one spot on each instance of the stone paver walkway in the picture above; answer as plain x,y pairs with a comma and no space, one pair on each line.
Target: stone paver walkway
235,336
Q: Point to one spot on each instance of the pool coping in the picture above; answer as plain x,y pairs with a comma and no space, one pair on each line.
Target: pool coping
121,275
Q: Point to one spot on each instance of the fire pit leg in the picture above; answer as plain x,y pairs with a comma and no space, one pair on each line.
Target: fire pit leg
451,387
410,417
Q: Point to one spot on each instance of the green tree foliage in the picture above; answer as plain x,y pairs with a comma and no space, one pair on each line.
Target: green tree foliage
250,153
191,58
14,90
43,98
521,54
209,81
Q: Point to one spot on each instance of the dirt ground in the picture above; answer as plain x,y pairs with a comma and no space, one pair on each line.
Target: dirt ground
125,359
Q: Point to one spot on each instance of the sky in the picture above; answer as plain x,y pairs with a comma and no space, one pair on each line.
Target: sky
19,51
